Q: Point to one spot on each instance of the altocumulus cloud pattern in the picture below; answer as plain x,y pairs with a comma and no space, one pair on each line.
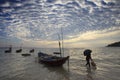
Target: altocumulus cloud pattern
42,20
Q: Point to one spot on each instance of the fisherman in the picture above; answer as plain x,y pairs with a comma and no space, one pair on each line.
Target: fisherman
87,53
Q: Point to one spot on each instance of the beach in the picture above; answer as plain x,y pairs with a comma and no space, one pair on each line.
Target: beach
13,66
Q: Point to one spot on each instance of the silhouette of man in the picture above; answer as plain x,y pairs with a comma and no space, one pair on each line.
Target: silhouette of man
87,53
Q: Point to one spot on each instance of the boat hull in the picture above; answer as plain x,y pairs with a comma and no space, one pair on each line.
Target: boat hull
55,62
26,54
52,60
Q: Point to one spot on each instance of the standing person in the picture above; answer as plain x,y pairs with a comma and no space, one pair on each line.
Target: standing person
87,53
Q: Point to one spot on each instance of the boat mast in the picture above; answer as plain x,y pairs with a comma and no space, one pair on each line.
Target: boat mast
59,44
62,41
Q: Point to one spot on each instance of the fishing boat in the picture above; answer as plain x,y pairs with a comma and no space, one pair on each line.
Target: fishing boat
19,50
31,51
51,60
26,54
9,50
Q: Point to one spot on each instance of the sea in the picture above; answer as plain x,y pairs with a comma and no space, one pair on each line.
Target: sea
14,66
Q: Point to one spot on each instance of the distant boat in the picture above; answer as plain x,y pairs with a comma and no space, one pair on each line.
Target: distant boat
51,60
19,51
9,50
26,54
32,50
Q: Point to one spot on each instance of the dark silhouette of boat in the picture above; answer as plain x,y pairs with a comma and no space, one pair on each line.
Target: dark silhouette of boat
26,54
19,51
31,51
9,50
51,60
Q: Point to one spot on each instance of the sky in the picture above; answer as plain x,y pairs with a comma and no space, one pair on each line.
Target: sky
80,23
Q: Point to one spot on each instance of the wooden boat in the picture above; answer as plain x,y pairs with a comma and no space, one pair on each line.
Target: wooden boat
54,60
19,50
51,60
26,54
32,50
9,50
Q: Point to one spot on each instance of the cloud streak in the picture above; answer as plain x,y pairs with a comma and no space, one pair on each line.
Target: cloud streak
88,39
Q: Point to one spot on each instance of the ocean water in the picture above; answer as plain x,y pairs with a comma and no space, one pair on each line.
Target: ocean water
13,66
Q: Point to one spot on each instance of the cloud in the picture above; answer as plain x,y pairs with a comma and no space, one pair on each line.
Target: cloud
89,39
38,20
95,37
18,32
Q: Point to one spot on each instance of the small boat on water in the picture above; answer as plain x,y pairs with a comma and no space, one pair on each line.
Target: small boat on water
51,60
26,54
9,50
31,51
19,50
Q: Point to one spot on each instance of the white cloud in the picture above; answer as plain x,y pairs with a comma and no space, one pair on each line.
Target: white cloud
92,35
89,39
107,1
7,4
18,4
18,32
43,20
95,37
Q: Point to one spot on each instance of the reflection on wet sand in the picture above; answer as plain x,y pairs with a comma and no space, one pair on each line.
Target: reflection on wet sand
60,72
90,73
